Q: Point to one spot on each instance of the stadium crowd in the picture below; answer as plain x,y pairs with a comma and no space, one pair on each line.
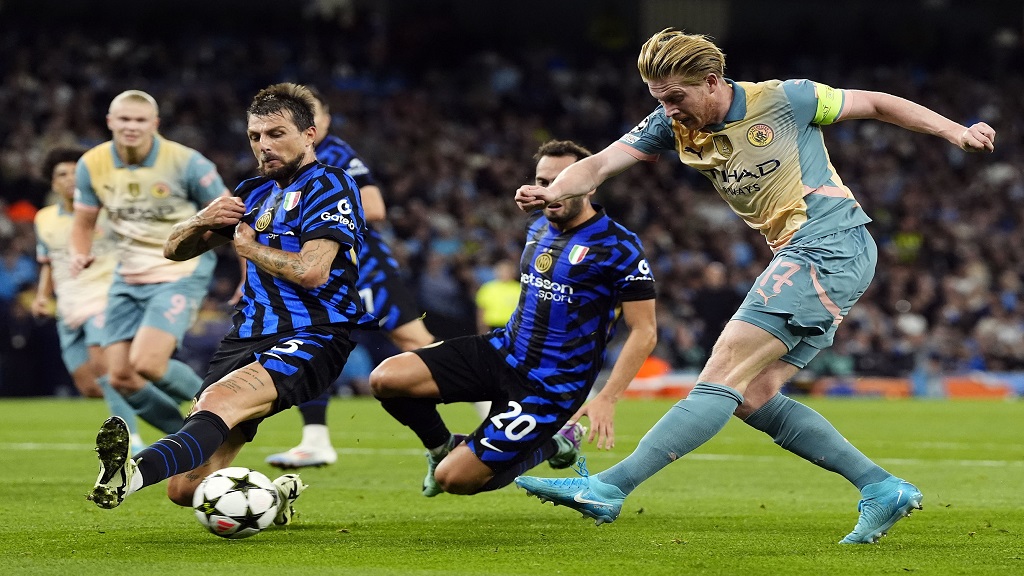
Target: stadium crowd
451,144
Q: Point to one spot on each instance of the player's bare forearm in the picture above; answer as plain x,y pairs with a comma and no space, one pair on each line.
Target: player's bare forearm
309,268
44,291
638,346
640,319
913,116
189,239
194,236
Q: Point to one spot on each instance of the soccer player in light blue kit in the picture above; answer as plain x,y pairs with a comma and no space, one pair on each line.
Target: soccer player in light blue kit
145,184
761,146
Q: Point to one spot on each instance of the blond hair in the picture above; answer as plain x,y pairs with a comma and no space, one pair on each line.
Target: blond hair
671,53
135,96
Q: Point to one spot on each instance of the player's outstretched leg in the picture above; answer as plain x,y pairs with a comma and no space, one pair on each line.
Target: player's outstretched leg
113,445
884,504
586,494
430,486
569,440
289,487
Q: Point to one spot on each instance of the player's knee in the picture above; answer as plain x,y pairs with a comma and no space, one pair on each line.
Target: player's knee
149,367
180,492
124,382
87,386
382,379
453,481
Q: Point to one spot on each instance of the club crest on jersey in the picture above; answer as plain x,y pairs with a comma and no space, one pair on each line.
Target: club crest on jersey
160,190
263,222
760,135
291,199
577,253
543,263
722,144
134,190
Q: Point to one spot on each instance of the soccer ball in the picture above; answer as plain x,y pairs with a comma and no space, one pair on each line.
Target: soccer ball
236,502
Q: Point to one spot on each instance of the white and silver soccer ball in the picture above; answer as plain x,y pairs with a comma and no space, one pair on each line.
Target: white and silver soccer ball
236,502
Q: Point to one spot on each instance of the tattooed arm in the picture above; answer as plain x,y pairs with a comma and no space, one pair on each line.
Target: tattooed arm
309,268
194,236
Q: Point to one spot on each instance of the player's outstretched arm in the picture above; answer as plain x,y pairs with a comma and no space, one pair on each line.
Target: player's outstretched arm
309,268
978,137
643,335
196,235
576,180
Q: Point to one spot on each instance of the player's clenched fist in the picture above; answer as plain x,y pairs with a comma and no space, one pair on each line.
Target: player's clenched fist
979,137
223,211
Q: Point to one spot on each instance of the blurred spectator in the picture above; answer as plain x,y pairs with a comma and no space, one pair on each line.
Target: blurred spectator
498,298
450,137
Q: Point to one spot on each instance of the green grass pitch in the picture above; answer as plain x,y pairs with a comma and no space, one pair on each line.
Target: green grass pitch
739,505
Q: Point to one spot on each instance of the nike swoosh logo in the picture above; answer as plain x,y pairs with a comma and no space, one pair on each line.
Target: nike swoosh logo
578,497
899,497
487,443
531,242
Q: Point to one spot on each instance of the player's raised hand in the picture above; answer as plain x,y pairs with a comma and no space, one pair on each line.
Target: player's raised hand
979,137
223,211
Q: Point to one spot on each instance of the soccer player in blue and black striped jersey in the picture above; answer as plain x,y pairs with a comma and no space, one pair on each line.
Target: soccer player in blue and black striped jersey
380,286
298,225
579,271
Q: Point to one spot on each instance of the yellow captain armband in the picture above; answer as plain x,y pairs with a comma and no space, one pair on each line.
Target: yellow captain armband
830,104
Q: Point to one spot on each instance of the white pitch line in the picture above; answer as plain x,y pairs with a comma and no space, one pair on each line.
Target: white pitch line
29,446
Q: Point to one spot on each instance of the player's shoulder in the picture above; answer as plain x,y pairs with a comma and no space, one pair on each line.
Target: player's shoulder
334,141
98,155
329,170
246,187
178,151
46,214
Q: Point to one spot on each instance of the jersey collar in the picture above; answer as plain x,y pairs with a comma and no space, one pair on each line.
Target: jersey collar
148,162
737,110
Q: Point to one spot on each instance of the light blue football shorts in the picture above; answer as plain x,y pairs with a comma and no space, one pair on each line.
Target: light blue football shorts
167,306
807,290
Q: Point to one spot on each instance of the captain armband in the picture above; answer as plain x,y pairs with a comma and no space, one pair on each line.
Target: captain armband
830,104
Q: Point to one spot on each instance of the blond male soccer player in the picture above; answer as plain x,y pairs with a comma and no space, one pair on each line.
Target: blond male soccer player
761,147
298,225
145,184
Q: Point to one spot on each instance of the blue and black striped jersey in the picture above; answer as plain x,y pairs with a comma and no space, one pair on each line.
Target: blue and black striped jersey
572,287
376,262
322,202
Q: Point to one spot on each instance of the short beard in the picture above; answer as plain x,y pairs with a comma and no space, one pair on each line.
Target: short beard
571,208
283,174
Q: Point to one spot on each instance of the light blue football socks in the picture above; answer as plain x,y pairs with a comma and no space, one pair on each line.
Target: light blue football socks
117,405
154,406
180,382
804,432
686,426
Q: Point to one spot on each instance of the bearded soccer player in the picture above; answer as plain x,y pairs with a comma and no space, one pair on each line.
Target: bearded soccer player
299,226
579,272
